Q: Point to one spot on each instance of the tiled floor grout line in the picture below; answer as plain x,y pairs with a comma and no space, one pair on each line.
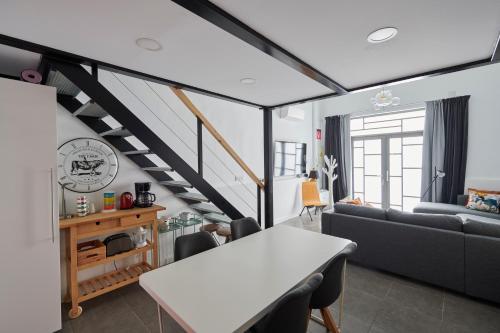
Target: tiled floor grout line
135,314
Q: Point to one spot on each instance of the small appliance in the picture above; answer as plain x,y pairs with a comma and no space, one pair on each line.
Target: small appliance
143,198
140,237
118,243
126,200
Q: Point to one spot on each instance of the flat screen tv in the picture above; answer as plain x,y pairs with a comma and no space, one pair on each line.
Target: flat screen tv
289,158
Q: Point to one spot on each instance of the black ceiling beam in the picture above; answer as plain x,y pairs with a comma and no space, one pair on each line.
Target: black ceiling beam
496,53
210,12
60,55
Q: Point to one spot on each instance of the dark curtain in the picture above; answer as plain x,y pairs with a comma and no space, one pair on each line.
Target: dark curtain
333,147
456,124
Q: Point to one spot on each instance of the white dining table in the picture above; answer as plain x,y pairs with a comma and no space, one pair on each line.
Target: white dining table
231,287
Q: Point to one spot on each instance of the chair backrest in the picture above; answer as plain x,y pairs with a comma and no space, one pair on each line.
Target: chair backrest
189,245
331,287
310,191
244,227
290,314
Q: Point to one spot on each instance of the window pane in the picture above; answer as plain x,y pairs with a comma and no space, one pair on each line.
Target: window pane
412,156
376,131
410,203
373,165
415,124
373,146
411,182
358,179
357,124
395,165
412,140
395,146
382,124
358,143
358,157
373,189
395,188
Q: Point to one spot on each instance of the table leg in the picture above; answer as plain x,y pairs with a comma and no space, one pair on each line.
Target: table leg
341,303
75,310
160,319
155,244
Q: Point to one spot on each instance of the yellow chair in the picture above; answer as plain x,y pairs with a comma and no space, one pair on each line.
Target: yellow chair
310,197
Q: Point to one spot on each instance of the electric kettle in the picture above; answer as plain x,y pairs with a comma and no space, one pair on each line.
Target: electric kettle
126,200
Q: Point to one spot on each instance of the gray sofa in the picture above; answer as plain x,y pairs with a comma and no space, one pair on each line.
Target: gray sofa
450,209
437,249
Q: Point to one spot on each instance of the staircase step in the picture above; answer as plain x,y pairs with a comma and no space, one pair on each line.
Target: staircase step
119,131
209,208
214,217
90,109
177,183
192,196
137,152
158,169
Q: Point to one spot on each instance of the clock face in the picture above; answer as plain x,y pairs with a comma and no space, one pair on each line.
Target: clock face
88,165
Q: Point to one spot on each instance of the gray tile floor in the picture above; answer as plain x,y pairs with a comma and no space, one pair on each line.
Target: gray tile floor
375,302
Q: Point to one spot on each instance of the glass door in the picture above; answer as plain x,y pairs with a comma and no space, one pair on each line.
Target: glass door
387,170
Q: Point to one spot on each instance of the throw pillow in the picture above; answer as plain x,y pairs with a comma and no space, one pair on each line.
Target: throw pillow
487,201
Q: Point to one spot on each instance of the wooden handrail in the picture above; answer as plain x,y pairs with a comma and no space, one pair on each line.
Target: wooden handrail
187,102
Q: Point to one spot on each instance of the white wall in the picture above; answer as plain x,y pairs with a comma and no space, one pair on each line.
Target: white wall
69,128
483,84
287,189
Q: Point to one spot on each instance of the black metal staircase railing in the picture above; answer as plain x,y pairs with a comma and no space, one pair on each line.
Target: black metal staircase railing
105,103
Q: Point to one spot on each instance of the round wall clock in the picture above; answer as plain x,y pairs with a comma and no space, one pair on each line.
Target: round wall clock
86,165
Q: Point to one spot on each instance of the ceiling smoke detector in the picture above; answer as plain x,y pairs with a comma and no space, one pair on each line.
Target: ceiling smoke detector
382,35
148,44
248,81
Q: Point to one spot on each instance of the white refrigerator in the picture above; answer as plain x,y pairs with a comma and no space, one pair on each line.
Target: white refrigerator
30,294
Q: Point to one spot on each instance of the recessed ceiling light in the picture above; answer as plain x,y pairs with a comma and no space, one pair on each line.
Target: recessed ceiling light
148,44
382,35
248,81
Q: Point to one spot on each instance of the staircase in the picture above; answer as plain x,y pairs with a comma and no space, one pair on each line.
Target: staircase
71,79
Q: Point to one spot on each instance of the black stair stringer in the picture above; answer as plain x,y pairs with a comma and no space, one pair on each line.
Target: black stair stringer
98,93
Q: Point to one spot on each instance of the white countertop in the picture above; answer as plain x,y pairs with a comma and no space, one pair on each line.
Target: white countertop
231,287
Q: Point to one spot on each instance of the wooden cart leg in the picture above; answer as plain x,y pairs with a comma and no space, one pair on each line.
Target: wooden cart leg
75,310
155,244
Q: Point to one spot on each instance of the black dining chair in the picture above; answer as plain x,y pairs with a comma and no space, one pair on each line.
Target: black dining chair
191,244
244,227
290,314
331,288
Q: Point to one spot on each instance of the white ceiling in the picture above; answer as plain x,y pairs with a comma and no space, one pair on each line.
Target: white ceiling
329,35
194,52
13,61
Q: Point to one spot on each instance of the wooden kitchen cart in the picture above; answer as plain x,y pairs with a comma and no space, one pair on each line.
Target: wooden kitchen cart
96,226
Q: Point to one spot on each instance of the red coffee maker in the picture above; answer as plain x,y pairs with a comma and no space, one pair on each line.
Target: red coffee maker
126,200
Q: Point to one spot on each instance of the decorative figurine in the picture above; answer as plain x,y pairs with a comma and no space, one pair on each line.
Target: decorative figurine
331,164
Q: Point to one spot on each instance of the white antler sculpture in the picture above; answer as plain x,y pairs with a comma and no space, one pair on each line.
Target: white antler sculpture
331,164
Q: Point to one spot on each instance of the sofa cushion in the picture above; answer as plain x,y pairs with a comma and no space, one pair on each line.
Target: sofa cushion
488,201
450,209
437,221
363,211
483,226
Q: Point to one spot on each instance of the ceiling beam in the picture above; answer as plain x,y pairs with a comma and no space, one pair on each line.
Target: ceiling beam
210,12
60,55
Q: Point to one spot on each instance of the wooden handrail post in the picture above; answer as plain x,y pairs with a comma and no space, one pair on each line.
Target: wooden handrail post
211,129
